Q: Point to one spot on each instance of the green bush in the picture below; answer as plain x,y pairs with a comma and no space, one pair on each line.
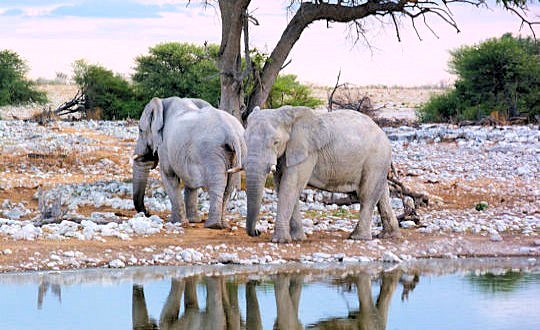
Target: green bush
288,91
178,69
14,87
106,91
500,75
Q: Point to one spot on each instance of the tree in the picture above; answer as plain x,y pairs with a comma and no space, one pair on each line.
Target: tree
235,19
288,91
499,75
14,87
105,91
178,69
188,70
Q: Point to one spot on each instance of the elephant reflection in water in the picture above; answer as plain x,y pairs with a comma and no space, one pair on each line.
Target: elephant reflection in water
371,314
222,311
43,287
222,305
287,289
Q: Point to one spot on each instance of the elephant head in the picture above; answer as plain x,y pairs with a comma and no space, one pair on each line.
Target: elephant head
276,138
146,157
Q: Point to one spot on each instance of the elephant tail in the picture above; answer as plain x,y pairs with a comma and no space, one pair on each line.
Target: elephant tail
238,147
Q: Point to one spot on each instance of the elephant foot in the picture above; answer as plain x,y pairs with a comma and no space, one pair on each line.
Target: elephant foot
298,236
390,234
182,221
358,236
216,225
254,232
276,238
194,219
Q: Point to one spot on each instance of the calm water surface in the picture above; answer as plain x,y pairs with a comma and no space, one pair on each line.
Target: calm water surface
466,294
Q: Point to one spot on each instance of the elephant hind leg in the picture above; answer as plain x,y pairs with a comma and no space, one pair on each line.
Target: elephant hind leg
369,192
191,200
297,229
388,217
216,192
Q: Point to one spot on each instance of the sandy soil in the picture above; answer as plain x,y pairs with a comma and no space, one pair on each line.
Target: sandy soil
17,254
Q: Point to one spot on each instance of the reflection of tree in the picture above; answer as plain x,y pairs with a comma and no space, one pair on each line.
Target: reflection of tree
371,315
494,283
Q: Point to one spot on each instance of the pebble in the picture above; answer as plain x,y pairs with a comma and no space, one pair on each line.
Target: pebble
500,153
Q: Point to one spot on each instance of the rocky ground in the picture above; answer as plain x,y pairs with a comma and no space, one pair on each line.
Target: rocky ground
65,201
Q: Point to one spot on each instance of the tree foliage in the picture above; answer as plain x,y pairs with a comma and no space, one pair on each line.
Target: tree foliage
178,69
14,87
188,70
500,75
288,91
106,91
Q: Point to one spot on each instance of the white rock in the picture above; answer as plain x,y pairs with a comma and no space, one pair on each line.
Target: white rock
390,257
117,263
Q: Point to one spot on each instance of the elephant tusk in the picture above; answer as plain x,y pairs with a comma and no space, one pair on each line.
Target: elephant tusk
235,169
273,169
137,157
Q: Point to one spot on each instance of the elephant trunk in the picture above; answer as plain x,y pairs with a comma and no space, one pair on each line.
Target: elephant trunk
141,170
255,179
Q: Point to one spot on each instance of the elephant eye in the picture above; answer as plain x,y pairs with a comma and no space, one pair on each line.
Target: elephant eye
276,142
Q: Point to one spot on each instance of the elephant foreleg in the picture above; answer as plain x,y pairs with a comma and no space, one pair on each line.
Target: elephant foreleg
172,186
293,181
191,200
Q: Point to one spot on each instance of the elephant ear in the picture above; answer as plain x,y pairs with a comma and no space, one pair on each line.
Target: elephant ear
309,134
152,122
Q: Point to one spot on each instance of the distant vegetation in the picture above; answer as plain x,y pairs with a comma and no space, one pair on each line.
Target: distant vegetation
170,69
499,77
104,92
14,87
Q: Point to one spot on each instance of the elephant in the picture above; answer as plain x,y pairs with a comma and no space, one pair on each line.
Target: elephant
341,151
193,143
221,309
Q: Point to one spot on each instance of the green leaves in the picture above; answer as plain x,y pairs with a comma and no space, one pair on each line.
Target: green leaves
288,91
178,69
108,91
14,87
500,75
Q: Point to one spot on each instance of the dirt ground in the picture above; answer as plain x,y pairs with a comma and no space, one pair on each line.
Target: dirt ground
413,243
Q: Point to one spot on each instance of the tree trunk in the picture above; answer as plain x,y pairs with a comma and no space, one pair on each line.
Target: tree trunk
230,55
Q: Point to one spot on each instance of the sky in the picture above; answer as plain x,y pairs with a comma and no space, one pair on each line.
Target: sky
51,34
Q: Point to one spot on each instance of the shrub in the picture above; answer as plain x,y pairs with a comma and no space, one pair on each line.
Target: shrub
106,91
14,87
500,75
440,108
178,69
288,91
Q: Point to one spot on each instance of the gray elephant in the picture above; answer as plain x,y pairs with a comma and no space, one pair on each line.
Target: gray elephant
341,151
195,144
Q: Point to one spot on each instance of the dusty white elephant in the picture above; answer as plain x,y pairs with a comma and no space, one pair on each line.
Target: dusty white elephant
341,151
196,145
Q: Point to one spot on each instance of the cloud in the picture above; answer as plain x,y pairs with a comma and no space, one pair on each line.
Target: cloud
88,8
